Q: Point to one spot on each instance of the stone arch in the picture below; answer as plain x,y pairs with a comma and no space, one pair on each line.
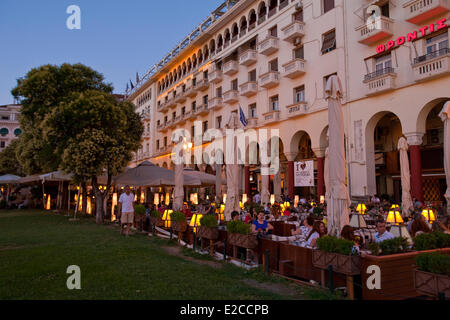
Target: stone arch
423,114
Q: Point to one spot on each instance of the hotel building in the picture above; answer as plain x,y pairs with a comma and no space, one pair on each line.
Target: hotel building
9,124
272,58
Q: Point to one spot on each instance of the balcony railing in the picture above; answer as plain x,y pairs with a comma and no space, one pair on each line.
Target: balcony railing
269,79
231,67
180,97
418,11
432,65
215,76
297,109
248,58
202,109
272,116
294,68
190,92
249,88
202,84
216,103
252,123
268,46
378,73
293,30
380,81
381,28
230,96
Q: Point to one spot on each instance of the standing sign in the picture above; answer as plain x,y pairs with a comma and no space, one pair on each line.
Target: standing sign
304,174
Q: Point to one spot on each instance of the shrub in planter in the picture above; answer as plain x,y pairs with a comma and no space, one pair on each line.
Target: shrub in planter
208,228
155,218
239,235
391,246
433,274
139,210
178,219
434,263
429,241
337,253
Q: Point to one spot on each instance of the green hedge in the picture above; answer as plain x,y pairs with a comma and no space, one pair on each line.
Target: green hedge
177,216
434,262
156,214
238,227
208,221
139,210
335,245
391,246
430,241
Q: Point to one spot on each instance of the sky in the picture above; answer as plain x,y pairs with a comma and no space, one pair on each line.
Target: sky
117,37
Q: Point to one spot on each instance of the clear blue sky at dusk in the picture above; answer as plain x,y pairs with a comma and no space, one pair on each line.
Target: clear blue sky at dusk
117,38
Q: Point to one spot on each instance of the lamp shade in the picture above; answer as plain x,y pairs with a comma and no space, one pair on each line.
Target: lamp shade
322,199
272,199
361,208
166,218
394,217
224,198
357,221
401,232
429,215
167,199
244,198
156,200
195,221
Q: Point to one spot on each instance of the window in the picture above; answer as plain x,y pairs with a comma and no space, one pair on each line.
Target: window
183,111
165,141
234,84
2,144
298,16
205,126
328,5
194,105
194,82
219,92
273,65
205,75
157,144
183,88
252,111
165,119
219,122
299,94
329,42
273,31
274,105
437,43
174,115
205,100
192,131
252,76
385,10
299,53
158,123
383,62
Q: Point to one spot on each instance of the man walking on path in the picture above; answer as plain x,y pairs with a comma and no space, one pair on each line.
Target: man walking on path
126,207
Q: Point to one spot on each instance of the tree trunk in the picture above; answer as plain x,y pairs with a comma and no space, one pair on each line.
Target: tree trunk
100,196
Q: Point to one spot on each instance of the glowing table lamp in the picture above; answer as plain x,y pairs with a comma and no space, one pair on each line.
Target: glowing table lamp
156,200
429,215
357,221
224,198
244,198
401,231
195,221
166,218
361,208
322,199
167,199
272,199
394,217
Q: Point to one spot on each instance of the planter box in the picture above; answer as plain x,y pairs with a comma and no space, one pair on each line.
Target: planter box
208,233
348,265
396,275
431,284
157,222
179,226
247,241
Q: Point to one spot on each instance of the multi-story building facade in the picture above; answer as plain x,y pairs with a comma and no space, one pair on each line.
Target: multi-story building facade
272,58
9,124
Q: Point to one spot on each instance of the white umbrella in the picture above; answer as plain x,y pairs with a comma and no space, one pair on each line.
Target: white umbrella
326,176
405,176
9,179
339,198
218,183
178,192
445,116
232,171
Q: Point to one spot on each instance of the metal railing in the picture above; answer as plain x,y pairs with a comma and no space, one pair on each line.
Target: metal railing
432,55
378,73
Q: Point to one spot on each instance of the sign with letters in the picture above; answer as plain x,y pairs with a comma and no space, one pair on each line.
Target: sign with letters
304,174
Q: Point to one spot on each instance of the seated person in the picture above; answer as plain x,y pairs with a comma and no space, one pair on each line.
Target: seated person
235,216
305,228
261,225
347,233
248,217
318,231
419,225
186,210
382,234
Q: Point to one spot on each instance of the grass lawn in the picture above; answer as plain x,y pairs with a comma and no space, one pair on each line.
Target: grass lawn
37,247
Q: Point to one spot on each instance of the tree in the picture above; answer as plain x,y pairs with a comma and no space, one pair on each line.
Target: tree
41,91
97,134
8,159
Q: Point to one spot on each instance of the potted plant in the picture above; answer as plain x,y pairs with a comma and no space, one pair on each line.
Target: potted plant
432,275
337,253
178,220
239,234
139,216
208,228
156,218
429,241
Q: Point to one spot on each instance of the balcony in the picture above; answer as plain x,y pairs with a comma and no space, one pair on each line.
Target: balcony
216,103
171,103
215,76
190,92
272,116
269,80
249,88
268,46
248,58
380,81
184,117
381,28
297,109
419,11
432,65
177,119
230,67
294,30
202,85
294,69
202,109
146,134
165,126
231,96
180,97
252,123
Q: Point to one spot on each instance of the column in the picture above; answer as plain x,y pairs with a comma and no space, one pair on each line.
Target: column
290,179
265,180
247,181
414,141
320,154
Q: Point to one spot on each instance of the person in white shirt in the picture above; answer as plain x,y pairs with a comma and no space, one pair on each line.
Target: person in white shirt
257,198
382,234
126,207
